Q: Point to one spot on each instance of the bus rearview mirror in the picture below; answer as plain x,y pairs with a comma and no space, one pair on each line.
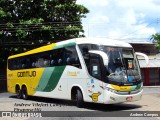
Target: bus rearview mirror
143,55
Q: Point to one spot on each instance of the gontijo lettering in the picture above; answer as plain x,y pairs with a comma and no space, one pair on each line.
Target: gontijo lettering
26,74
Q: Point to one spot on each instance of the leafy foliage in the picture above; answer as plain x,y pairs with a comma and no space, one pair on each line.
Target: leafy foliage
29,21
25,24
156,38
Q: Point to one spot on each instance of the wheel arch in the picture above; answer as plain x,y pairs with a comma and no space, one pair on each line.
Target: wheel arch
74,91
23,85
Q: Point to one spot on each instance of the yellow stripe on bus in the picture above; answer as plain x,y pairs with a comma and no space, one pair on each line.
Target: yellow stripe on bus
37,50
121,88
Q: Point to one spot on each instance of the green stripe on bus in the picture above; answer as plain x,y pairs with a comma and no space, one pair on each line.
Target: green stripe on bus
54,79
64,45
45,78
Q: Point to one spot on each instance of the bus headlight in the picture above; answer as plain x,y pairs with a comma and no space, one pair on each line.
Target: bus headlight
110,89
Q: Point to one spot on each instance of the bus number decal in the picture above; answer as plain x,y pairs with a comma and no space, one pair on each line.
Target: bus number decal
26,74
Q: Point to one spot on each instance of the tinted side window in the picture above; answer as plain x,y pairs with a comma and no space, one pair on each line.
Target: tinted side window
38,60
71,57
87,47
57,57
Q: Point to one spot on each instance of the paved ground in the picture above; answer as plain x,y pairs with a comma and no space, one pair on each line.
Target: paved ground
150,99
150,102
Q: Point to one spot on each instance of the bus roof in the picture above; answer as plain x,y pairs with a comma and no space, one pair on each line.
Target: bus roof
99,41
103,41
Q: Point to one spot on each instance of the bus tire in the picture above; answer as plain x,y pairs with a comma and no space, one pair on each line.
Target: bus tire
18,92
24,93
79,99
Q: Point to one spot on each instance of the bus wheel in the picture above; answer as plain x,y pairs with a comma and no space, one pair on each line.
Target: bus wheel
24,93
18,93
79,99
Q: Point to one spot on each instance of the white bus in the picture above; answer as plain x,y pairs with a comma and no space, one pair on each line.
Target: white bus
81,69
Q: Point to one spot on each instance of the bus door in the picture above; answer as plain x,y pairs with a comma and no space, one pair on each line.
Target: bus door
95,69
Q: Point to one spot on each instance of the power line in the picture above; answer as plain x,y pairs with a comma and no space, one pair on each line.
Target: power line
58,29
41,28
37,26
137,30
73,26
43,23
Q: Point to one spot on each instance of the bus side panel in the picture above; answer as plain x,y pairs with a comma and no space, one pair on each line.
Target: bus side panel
68,78
10,82
76,77
34,81
29,77
52,84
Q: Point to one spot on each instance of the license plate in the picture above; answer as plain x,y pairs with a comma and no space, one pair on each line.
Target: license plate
129,98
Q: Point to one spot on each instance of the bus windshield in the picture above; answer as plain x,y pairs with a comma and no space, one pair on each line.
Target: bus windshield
122,65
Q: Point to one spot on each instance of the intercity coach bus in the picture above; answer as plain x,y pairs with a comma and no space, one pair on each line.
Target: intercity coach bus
82,69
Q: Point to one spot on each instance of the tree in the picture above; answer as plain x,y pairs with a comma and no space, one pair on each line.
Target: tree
156,38
40,21
37,22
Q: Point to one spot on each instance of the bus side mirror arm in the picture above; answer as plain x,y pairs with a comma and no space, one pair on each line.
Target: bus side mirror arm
102,54
144,55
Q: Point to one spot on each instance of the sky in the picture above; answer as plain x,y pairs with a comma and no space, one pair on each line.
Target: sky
127,20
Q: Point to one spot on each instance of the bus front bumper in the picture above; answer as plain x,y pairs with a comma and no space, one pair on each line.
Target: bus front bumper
111,97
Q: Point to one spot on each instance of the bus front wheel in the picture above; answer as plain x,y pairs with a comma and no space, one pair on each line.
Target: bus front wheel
79,99
24,93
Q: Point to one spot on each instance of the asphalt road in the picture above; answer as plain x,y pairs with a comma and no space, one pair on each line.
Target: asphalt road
67,109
